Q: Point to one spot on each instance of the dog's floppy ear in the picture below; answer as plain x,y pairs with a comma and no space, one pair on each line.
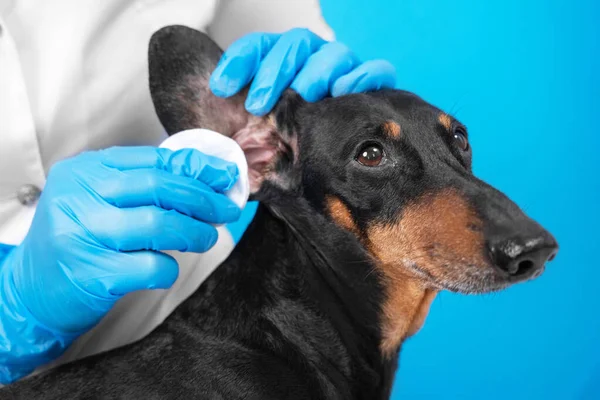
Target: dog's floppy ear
181,61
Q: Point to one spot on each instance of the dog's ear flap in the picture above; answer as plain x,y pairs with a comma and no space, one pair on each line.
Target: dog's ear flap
181,61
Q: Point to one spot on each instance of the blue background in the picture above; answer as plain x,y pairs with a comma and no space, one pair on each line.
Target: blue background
524,77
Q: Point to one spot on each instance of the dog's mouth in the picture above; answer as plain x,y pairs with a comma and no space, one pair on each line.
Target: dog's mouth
470,279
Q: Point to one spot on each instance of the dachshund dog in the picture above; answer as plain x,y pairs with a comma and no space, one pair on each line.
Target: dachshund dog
368,208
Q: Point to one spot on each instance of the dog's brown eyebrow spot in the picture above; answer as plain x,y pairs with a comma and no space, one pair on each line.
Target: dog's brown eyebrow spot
392,129
341,214
445,120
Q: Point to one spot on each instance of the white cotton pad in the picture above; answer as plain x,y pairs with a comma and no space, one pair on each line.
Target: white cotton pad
214,144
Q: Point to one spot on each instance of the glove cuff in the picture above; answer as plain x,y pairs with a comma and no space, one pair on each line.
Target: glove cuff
25,343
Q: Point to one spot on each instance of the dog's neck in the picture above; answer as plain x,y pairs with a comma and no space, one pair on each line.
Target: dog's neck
343,281
337,257
402,301
302,288
328,279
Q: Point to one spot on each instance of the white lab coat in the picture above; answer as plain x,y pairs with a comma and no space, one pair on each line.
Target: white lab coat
73,77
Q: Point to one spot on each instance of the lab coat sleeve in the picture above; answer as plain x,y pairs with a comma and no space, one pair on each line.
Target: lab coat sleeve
235,18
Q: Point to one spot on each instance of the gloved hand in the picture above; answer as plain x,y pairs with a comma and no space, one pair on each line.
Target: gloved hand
298,59
97,233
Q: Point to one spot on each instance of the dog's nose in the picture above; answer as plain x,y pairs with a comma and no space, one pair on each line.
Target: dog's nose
521,256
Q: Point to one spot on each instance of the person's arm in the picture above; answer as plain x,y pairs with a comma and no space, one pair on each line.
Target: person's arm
99,232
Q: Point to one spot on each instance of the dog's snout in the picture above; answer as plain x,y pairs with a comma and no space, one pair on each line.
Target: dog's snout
521,255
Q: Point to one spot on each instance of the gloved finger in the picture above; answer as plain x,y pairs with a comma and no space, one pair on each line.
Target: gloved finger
239,63
217,173
279,68
124,273
143,187
324,67
371,75
150,228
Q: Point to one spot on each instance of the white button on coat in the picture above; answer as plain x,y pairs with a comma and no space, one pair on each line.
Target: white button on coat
28,195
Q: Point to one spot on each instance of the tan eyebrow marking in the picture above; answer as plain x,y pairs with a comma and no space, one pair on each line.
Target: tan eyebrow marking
445,121
392,129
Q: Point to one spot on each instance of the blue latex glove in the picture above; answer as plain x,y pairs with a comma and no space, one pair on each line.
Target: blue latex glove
97,233
298,59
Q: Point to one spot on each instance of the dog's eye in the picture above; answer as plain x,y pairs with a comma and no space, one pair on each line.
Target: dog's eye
370,155
460,137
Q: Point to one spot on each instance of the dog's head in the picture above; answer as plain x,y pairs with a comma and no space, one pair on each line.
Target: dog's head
386,166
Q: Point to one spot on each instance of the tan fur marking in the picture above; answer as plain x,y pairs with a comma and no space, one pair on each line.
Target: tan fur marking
421,312
392,129
404,312
434,242
437,226
340,214
446,121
